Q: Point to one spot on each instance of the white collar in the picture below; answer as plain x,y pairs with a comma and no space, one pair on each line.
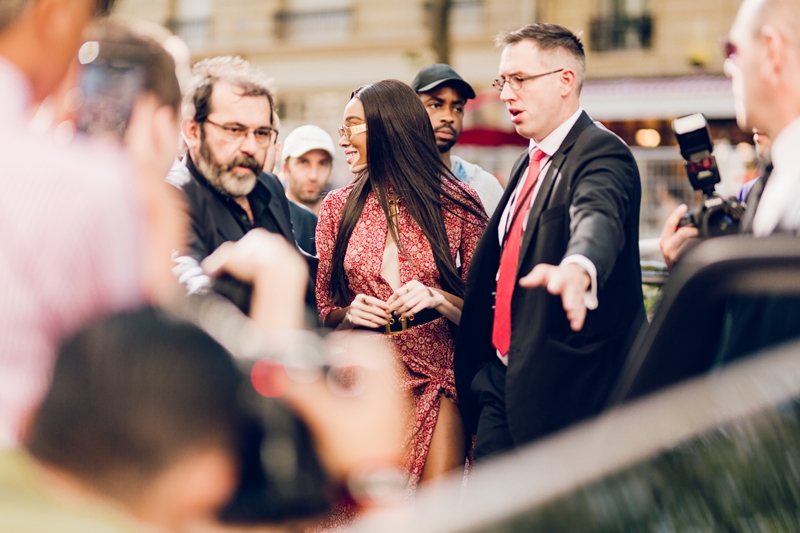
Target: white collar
783,152
553,141
779,199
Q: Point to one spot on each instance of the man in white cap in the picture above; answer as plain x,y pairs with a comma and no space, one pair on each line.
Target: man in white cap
306,164
307,161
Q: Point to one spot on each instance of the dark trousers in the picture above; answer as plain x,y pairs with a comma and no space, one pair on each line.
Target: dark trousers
489,391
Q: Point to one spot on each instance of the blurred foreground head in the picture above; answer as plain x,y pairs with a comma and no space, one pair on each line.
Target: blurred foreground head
42,37
146,115
143,409
763,61
153,413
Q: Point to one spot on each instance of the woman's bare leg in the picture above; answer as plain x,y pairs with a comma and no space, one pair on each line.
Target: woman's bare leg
447,451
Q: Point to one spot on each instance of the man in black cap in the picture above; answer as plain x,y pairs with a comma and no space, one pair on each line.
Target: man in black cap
444,94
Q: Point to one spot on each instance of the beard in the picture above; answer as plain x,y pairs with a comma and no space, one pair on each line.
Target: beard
304,196
226,178
445,146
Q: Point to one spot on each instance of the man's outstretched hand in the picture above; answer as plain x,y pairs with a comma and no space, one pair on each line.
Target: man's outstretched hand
570,281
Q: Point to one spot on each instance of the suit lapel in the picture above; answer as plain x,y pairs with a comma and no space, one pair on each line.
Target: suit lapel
550,179
752,200
516,172
276,206
541,200
515,176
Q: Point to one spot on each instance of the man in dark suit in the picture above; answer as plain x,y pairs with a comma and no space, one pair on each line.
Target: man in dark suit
553,294
229,130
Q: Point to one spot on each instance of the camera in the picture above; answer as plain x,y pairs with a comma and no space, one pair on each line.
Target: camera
109,89
717,215
281,475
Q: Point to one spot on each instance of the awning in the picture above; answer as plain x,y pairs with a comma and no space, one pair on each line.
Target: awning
491,137
623,99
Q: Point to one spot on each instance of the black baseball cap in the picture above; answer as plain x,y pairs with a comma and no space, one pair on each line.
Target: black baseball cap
432,76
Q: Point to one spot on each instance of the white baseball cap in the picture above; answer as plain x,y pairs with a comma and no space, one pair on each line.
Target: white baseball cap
304,139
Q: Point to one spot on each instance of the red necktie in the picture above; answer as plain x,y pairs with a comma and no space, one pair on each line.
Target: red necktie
509,260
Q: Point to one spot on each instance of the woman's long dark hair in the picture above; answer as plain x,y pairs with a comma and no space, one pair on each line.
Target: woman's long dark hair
402,153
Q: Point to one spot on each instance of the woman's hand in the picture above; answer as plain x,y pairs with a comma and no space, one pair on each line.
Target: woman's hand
412,298
366,311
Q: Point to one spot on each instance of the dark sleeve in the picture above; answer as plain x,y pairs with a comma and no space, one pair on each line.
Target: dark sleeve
606,187
197,245
196,211
304,224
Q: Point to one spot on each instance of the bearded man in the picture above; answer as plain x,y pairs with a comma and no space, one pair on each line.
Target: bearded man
229,129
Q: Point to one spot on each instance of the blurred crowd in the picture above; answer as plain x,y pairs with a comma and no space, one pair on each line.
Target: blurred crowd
196,334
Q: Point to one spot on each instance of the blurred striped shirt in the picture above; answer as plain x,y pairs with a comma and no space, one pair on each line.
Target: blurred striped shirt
70,247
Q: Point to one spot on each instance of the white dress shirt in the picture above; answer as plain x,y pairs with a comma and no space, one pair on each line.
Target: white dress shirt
549,146
779,207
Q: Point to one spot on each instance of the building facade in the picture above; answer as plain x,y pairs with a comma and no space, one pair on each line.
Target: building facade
648,61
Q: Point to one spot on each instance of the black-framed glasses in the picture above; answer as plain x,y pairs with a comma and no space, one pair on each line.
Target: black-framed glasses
515,82
348,131
237,133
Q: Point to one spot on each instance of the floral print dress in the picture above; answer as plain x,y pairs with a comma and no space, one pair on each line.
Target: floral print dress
426,351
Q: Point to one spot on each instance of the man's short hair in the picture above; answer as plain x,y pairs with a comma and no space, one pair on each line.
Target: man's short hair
131,394
121,42
234,70
549,37
10,10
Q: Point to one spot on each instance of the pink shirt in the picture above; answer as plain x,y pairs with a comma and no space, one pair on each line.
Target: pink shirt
70,243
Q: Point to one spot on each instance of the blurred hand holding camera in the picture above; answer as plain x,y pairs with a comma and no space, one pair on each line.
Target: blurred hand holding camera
276,271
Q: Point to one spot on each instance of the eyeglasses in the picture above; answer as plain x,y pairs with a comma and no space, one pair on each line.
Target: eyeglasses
238,133
515,82
348,131
731,51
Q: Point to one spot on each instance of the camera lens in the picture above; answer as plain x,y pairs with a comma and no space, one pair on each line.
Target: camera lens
720,222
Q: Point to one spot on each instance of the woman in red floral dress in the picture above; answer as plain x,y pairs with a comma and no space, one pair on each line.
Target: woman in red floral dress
394,247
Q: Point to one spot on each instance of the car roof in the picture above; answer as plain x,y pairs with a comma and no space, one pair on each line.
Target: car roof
630,433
